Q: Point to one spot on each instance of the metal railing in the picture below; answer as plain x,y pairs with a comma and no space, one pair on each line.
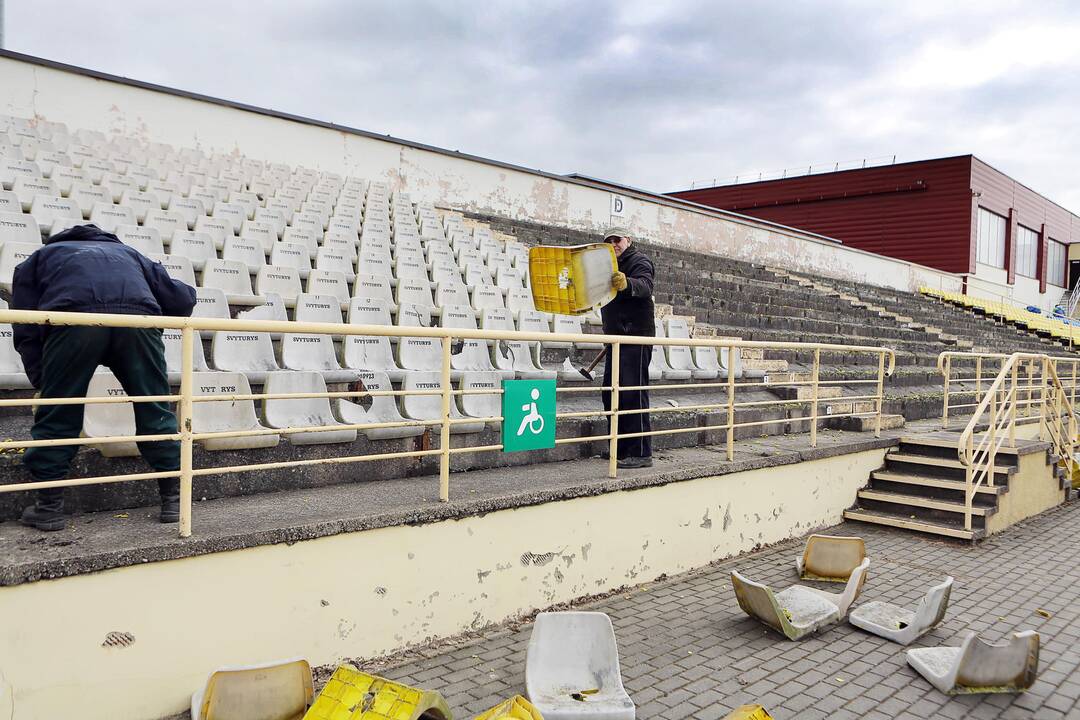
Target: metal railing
800,171
185,398
1025,384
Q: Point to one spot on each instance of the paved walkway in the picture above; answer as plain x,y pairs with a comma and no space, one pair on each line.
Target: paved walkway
687,650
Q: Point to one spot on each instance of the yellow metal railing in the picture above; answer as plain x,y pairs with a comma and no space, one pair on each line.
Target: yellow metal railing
185,397
1024,384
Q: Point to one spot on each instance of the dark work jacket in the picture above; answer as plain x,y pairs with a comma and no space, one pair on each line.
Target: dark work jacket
85,269
631,312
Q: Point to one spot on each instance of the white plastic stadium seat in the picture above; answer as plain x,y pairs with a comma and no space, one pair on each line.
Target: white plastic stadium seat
12,374
250,353
659,368
980,667
108,216
417,353
680,357
572,668
9,203
795,612
174,343
377,409
302,412
145,240
243,250
11,254
899,624
329,283
429,407
197,247
285,281
370,352
482,404
109,419
19,228
474,355
516,355
177,266
47,209
232,278
27,188
313,352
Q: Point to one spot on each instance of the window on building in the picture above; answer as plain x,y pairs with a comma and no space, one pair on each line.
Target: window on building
1056,255
1027,250
990,246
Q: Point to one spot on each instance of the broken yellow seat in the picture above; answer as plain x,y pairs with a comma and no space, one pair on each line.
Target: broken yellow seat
516,708
748,712
571,280
279,690
354,695
830,558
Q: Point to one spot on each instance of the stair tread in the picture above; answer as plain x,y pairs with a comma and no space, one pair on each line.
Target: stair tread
921,525
928,481
924,502
947,439
939,462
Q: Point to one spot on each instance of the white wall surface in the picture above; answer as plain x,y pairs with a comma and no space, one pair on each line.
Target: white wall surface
108,105
991,283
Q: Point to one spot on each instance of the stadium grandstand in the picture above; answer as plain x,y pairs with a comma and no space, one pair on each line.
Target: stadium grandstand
347,490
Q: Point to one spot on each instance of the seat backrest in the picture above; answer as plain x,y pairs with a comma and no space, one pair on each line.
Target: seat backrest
1010,666
757,600
230,276
416,292
167,223
932,606
373,286
272,308
290,254
210,303
451,294
330,283
304,237
198,247
281,689
519,299
217,228
482,404
487,297
11,254
145,240
311,307
298,412
308,352
285,281
45,209
332,259
832,557
173,341
262,233
242,351
108,216
104,419
422,407
382,408
575,650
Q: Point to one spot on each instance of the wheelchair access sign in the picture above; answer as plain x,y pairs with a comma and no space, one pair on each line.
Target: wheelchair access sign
528,409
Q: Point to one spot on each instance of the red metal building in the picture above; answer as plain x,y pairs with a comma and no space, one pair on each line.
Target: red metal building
956,214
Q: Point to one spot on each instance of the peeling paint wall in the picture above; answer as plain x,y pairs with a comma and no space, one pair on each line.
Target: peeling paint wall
443,178
370,593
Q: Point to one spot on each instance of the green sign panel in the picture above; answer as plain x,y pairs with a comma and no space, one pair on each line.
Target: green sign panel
528,409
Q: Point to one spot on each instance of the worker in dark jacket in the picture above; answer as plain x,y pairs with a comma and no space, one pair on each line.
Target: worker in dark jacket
84,269
630,313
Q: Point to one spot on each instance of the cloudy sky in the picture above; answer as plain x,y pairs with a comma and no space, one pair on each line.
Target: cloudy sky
652,94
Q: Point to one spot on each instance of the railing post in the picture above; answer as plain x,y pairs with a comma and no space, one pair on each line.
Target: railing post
187,354
613,437
978,380
813,397
731,405
880,393
1073,388
1044,427
444,433
945,402
968,492
993,439
1012,406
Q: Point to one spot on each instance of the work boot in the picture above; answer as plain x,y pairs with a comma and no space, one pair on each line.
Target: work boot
170,508
632,463
47,515
169,489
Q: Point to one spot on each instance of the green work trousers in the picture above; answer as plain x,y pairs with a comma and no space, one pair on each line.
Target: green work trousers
70,356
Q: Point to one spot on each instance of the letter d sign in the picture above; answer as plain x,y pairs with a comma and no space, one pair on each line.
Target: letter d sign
618,205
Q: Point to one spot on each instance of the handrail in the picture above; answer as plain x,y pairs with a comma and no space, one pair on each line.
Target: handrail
1074,298
186,398
999,404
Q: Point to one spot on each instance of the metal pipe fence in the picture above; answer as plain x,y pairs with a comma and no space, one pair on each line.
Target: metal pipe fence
185,398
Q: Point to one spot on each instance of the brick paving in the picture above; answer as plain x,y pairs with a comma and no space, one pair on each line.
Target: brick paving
688,651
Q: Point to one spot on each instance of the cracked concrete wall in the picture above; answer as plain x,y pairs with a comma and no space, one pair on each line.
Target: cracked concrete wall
443,178
364,594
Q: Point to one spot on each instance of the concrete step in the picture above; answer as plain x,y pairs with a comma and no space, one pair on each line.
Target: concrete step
926,481
868,423
896,456
917,503
878,517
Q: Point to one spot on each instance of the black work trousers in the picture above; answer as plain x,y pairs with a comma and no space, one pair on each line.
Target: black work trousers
633,371
69,358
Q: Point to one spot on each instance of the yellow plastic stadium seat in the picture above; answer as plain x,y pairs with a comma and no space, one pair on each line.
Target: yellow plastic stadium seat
271,691
516,708
571,280
748,712
354,695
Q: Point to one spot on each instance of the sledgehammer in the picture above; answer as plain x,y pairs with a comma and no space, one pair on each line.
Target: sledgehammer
587,372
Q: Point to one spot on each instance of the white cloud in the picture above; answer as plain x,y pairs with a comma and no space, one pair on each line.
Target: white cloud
653,94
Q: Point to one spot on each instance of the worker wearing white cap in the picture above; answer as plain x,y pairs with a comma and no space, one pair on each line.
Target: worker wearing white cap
630,313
